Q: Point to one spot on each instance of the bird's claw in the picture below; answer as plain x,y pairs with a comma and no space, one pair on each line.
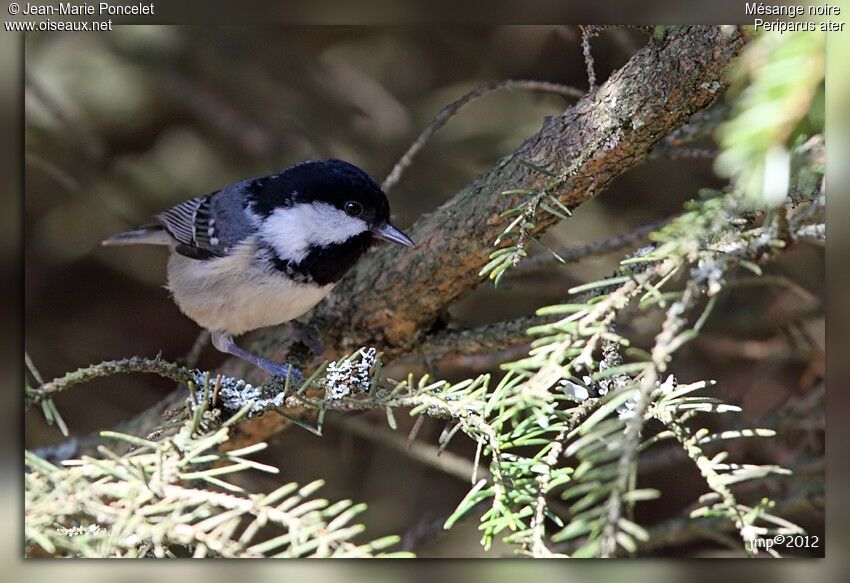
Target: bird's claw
282,370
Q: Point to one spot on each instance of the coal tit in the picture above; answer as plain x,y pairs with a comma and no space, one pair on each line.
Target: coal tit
264,251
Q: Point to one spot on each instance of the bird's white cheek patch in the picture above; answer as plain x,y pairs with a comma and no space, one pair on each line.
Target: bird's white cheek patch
292,231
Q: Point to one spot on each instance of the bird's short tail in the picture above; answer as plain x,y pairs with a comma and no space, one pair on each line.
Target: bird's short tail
153,235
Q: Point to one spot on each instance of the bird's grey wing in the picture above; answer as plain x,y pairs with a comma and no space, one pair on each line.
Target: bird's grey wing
209,226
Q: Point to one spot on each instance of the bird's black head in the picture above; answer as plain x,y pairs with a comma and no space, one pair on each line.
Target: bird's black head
322,213
329,184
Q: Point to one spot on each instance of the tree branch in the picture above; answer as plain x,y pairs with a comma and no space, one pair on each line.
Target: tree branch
156,365
452,108
396,296
480,340
545,261
424,453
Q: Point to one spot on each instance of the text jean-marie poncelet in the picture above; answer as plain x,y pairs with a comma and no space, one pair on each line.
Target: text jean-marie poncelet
85,9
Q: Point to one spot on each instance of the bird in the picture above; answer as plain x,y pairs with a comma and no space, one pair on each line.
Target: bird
264,251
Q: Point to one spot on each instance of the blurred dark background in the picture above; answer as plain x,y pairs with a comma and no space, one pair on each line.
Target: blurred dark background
121,126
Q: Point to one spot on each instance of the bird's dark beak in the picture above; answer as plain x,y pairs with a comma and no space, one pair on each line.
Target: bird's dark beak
389,233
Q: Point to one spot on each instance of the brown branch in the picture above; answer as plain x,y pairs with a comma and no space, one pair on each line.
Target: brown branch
133,364
452,108
395,296
190,360
603,247
52,171
588,32
701,127
199,101
686,153
479,340
424,453
88,142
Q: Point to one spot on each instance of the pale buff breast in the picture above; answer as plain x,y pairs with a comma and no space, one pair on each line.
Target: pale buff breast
233,295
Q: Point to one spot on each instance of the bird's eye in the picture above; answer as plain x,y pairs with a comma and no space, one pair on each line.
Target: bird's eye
353,208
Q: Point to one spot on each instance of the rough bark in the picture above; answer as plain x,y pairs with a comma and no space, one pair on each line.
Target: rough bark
396,296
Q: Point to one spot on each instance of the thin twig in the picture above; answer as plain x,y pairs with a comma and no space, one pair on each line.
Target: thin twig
538,525
576,254
480,340
250,135
449,110
194,355
701,126
586,33
664,346
53,171
421,452
779,281
87,140
156,365
688,153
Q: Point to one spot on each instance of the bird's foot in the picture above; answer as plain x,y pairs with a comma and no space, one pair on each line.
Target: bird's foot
224,342
280,370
